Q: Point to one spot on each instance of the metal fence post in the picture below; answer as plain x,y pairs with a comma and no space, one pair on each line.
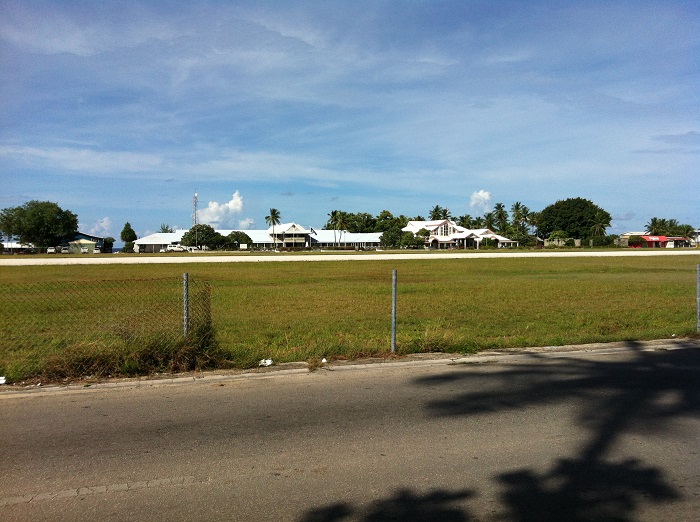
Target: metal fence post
186,302
393,311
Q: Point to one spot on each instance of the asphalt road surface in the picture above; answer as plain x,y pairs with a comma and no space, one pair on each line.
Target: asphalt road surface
608,434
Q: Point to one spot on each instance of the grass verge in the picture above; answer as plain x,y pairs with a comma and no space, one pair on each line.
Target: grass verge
340,309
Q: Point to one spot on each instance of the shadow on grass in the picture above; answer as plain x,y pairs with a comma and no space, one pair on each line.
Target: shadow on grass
612,399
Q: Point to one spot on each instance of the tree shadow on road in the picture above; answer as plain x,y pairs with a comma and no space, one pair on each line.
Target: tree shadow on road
402,505
615,398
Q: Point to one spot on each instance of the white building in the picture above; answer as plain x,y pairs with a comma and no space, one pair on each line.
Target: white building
445,233
284,235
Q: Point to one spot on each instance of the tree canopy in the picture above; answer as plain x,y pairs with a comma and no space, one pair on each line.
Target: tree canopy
668,227
128,235
579,218
203,235
41,223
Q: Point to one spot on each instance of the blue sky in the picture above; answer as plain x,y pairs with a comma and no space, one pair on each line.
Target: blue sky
120,111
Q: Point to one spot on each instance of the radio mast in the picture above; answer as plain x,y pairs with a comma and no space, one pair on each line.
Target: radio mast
195,220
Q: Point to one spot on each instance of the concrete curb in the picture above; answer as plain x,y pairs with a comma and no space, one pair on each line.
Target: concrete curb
410,361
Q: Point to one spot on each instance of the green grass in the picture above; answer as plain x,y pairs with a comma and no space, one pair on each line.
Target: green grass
341,309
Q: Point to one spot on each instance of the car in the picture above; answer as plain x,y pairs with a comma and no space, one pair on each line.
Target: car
84,250
97,250
51,250
65,250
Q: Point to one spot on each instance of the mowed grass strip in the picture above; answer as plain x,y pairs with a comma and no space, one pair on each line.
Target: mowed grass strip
342,309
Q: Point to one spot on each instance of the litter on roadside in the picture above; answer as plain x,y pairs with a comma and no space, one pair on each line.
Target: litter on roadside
265,362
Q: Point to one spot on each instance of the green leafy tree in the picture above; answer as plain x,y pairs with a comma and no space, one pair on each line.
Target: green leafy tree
41,223
411,240
203,235
391,237
575,216
128,234
165,228
108,243
272,220
237,238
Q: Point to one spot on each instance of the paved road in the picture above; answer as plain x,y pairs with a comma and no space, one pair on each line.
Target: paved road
364,256
604,434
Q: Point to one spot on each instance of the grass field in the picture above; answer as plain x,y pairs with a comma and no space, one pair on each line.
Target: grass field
342,309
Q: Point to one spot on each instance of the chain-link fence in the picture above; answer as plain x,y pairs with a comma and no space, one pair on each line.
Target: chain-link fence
124,326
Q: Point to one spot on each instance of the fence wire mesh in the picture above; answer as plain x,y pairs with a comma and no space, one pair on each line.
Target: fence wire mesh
40,318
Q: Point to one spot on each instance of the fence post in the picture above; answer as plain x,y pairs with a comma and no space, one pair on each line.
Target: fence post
393,311
698,298
186,302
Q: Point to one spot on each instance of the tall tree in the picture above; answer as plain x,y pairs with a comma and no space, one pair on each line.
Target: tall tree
273,219
165,228
520,216
203,235
500,215
601,221
489,220
438,213
341,223
41,223
465,221
574,216
128,235
333,223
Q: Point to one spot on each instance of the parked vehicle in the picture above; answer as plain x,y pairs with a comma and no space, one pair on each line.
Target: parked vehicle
175,248
97,250
84,250
65,250
51,250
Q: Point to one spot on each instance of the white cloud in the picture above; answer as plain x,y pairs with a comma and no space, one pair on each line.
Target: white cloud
246,224
102,227
221,214
480,202
87,160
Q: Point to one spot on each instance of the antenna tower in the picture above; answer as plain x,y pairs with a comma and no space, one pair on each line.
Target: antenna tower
195,220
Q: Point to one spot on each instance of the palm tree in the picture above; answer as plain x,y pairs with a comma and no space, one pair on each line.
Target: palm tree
437,213
465,221
272,220
333,222
500,215
654,227
489,220
520,216
601,221
341,223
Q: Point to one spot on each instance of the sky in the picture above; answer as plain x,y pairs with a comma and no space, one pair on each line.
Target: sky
122,111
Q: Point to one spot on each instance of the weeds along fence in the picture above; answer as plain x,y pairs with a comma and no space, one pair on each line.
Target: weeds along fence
65,329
